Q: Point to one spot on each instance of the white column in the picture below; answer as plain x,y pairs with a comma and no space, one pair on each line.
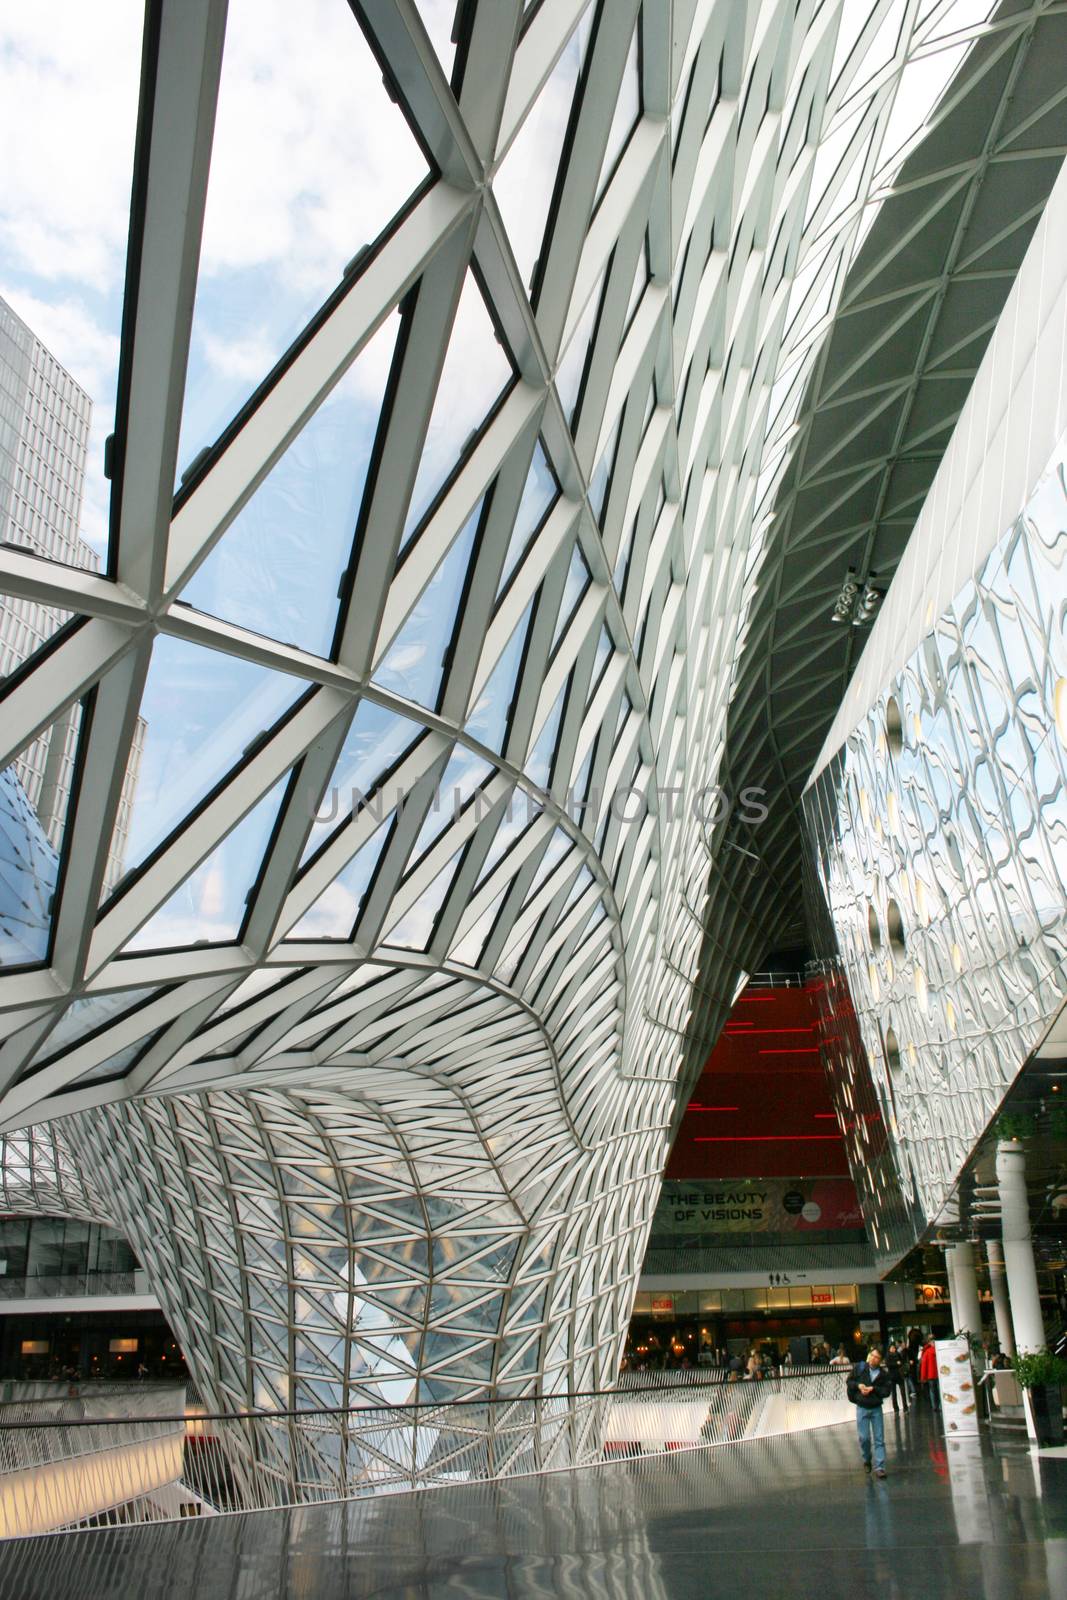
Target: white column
1018,1251
968,1311
999,1284
953,1294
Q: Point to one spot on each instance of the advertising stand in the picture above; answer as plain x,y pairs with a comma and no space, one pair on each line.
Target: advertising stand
959,1399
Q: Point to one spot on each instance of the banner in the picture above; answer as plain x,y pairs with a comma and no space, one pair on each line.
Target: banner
959,1402
756,1206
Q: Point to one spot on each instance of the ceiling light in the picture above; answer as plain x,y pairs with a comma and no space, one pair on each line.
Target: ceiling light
869,601
846,601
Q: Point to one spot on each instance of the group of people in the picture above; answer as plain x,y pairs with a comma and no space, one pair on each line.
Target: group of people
907,1367
757,1364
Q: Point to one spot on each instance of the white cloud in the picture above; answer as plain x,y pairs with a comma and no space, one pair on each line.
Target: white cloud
311,158
70,78
70,75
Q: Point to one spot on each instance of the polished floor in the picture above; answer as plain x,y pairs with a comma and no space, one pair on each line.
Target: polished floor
778,1518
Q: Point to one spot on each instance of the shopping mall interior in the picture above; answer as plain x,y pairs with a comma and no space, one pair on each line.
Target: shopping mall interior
533,798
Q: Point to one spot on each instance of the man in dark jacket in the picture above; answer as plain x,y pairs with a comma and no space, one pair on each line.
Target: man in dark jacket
868,1386
895,1366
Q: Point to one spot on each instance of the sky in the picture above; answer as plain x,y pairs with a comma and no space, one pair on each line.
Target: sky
70,74
311,159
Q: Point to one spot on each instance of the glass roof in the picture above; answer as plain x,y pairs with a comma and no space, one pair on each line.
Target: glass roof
464,395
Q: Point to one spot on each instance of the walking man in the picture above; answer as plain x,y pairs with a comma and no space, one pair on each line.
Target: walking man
868,1386
895,1366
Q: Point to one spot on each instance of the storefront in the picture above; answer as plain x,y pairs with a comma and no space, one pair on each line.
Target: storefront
669,1327
89,1344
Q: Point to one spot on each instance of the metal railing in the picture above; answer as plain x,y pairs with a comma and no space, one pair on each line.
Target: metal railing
56,1286
36,1432
39,1399
777,980
149,1467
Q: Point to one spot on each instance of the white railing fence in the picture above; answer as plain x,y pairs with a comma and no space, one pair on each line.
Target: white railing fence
57,1474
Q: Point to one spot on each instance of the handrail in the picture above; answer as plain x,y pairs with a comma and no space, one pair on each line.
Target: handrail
55,1476
620,1393
81,1285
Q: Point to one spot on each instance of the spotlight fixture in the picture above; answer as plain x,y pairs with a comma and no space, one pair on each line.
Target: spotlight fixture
869,601
854,605
846,600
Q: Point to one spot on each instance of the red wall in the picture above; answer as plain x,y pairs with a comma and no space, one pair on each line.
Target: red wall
762,1106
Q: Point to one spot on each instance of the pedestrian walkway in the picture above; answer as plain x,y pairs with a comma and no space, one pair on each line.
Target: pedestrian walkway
789,1518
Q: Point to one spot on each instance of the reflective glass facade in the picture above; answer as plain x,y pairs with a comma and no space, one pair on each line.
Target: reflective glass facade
940,845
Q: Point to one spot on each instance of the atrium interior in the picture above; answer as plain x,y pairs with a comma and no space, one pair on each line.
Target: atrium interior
533,797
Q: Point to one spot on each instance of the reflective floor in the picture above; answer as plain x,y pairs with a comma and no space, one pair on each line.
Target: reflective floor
777,1518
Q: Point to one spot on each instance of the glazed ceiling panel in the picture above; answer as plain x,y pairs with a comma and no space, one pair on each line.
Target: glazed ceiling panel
917,310
375,935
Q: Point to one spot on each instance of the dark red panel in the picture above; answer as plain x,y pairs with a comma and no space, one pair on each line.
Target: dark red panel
762,1104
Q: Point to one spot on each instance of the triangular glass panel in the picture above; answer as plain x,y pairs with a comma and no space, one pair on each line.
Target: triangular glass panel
375,741
35,795
625,707
515,821
582,882
278,567
579,796
571,366
557,847
117,1065
209,907
539,494
627,111
439,18
604,650
527,177
467,949
258,983
333,915
488,720
413,665
25,625
638,287
87,1016
464,773
623,559
598,483
578,580
415,928
476,370
334,162
200,709
539,761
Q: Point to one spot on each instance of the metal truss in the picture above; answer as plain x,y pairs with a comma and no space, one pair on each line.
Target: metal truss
914,319
381,1093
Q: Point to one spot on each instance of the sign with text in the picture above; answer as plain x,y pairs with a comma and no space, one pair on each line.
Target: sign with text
757,1206
959,1404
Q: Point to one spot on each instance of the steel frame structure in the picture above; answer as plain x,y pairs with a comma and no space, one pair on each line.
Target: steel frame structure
416,1154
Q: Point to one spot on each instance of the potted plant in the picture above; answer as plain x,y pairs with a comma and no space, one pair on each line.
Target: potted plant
1041,1374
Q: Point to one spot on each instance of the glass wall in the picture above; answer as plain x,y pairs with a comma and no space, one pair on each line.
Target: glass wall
60,1247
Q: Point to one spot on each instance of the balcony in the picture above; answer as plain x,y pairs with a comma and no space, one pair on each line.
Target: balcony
75,1285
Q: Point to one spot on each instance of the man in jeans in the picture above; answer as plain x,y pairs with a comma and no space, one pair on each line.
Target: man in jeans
868,1386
